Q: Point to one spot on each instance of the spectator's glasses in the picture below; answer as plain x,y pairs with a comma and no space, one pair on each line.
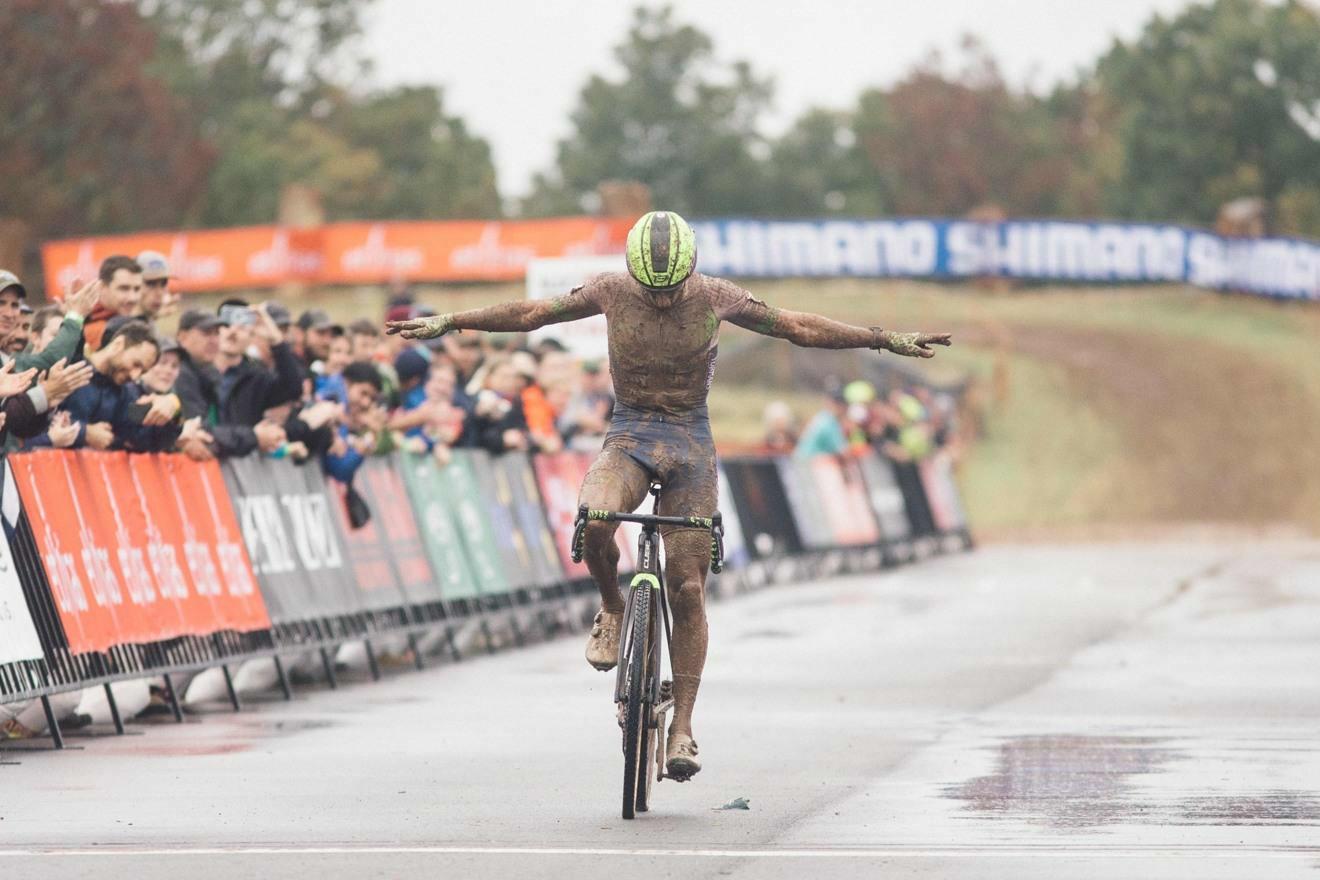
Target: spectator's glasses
157,282
469,343
237,316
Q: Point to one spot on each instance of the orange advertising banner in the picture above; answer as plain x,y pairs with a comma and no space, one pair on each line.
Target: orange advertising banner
137,548
344,253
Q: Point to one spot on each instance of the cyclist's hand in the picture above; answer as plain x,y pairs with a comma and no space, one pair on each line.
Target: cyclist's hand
421,328
912,344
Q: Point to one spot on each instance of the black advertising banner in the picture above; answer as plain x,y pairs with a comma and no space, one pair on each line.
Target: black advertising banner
381,481
497,494
530,516
763,507
804,501
368,550
886,497
293,538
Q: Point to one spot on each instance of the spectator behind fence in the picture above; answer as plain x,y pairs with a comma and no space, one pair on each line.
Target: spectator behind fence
158,300
824,434
329,382
442,422
498,423
121,294
110,410
247,388
465,351
20,337
317,331
781,432
197,389
68,339
586,418
364,432
45,324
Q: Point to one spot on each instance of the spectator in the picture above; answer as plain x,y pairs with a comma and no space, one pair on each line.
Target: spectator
464,350
540,413
109,410
781,431
121,294
197,388
67,342
329,383
21,336
444,421
158,300
824,434
364,340
246,388
317,332
586,418
498,423
161,378
45,324
364,432
25,412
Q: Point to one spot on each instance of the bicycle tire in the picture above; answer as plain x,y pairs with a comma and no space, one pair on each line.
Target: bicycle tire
646,747
634,723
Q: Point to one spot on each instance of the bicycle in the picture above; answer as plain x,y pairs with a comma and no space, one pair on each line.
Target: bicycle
643,697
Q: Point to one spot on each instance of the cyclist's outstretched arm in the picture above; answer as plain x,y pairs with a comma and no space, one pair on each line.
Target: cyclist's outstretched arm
816,331
518,316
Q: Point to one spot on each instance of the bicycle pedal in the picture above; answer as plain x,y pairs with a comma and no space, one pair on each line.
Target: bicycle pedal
666,690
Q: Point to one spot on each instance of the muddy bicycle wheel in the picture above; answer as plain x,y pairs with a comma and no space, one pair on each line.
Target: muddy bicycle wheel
634,720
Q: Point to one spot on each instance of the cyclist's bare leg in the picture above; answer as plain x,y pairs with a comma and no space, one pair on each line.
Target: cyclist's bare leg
615,482
687,556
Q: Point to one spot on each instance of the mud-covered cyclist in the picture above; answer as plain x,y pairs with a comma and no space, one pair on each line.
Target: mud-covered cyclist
663,322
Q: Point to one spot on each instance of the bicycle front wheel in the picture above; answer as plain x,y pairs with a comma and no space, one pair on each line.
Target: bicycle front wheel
634,714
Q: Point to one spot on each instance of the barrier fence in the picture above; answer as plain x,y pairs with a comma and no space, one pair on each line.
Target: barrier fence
118,566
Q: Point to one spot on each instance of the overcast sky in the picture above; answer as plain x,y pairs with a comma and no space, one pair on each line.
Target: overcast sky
513,68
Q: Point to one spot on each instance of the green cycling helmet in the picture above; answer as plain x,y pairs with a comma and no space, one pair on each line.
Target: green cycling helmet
662,251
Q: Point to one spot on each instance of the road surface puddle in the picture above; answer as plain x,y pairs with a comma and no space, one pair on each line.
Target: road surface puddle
1065,781
1079,782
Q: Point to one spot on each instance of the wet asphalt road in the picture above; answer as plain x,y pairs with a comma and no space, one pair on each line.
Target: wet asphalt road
1120,712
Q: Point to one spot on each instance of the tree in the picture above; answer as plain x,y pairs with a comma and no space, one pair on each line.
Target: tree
945,143
679,121
1220,102
818,167
93,142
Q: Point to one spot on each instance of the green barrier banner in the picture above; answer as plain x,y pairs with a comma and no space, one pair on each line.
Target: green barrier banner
463,495
497,494
436,517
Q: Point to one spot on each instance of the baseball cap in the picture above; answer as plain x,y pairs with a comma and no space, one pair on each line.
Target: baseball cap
199,319
154,265
280,314
168,344
9,279
315,319
410,364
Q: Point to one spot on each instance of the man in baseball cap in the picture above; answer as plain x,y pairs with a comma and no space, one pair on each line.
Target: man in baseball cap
12,295
157,298
317,331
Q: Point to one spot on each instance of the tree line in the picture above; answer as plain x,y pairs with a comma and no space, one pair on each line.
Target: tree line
174,113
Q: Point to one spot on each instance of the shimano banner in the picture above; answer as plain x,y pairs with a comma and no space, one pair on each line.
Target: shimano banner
1043,250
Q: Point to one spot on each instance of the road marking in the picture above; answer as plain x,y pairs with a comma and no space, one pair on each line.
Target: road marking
1199,853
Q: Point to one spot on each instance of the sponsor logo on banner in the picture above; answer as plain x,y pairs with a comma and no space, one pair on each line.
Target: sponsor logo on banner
1047,250
127,557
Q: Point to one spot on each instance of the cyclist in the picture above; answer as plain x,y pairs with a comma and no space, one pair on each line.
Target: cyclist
663,328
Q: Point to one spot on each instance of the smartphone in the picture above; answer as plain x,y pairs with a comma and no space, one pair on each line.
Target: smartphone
238,316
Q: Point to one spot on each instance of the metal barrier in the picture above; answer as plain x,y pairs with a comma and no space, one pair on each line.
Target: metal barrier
91,556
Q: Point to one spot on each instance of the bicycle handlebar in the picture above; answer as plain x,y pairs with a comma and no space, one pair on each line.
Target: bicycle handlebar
714,523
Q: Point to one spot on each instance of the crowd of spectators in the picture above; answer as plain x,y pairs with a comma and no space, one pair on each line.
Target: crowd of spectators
98,370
